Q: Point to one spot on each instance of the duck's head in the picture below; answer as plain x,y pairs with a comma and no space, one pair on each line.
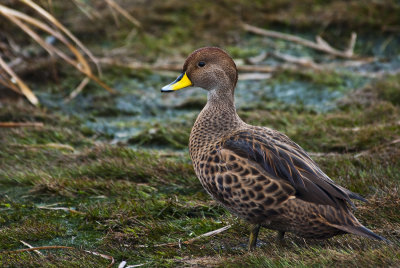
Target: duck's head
210,68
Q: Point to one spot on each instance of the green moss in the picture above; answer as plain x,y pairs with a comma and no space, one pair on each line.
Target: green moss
330,79
53,258
29,230
328,255
389,89
56,129
353,129
242,53
176,137
130,202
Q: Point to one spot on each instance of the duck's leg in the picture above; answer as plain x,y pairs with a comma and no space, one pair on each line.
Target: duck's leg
254,229
280,236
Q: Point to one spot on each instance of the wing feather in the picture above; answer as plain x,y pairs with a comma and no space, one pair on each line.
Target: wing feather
283,159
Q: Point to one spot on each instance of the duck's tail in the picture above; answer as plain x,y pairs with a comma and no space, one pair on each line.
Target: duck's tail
360,230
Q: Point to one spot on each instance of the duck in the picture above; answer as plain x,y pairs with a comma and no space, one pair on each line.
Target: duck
255,172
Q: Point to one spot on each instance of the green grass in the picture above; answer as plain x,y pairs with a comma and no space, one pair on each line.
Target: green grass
218,22
350,130
128,202
131,201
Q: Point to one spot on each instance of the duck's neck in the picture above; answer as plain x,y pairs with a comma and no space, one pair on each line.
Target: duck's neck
221,97
218,118
220,107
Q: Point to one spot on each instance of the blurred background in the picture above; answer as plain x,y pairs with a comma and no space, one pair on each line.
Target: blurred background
86,135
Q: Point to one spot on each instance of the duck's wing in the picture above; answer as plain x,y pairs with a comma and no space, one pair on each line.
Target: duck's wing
283,159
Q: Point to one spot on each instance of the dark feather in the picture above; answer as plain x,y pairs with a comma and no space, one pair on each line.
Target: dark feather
360,230
287,161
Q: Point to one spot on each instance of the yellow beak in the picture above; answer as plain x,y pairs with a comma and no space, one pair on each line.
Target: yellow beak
181,82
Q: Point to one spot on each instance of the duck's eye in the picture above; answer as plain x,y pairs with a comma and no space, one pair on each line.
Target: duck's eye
201,64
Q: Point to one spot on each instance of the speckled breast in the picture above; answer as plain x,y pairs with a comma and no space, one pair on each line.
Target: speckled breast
239,187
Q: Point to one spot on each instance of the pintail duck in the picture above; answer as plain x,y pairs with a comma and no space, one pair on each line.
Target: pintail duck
256,172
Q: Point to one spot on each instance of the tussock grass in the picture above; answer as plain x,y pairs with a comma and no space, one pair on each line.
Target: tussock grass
45,22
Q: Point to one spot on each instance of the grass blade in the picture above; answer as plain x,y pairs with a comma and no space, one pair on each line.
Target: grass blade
123,12
22,86
54,21
81,64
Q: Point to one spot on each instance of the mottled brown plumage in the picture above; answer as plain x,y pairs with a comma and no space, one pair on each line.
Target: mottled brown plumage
258,173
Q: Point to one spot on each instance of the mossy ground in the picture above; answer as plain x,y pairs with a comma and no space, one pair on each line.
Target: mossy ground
127,199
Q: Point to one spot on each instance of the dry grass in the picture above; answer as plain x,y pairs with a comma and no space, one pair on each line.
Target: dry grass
44,22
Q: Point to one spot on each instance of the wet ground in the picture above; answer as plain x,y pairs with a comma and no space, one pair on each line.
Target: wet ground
139,108
149,196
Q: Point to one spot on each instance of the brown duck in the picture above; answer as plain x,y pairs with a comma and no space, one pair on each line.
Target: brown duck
255,172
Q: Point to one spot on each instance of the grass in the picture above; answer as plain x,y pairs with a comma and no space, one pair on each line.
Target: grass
163,135
218,22
350,130
128,201
131,201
